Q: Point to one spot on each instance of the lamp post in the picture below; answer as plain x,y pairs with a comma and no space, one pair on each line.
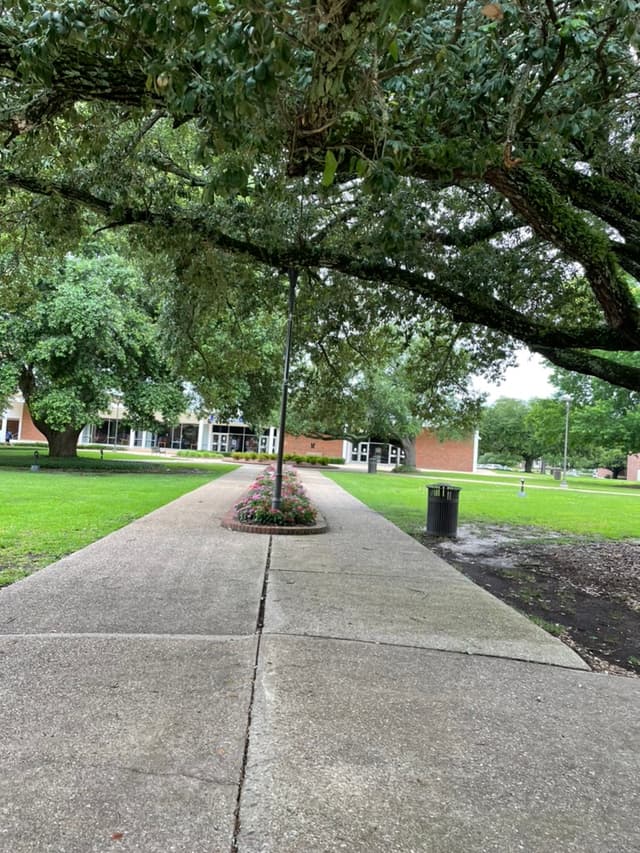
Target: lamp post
566,399
276,502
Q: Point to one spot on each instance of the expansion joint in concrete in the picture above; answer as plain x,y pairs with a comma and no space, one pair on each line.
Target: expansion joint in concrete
247,737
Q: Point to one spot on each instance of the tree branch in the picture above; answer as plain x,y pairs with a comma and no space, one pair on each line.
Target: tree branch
616,204
166,164
582,361
545,83
457,29
476,234
468,306
550,216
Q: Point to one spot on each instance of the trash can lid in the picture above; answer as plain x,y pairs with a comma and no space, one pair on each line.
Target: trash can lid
443,490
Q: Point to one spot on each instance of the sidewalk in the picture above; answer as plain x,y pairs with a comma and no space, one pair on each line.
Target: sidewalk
378,701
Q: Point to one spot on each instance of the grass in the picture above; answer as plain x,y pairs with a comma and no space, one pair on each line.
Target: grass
49,514
611,513
510,477
11,576
550,627
89,460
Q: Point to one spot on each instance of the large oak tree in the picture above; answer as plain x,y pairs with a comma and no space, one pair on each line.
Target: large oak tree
481,156
88,334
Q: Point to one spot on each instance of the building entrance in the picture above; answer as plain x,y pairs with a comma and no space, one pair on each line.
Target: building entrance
228,439
386,453
220,442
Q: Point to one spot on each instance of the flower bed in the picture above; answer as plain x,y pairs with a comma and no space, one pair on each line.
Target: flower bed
295,509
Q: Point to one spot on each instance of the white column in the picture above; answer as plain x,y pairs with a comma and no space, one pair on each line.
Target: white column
346,450
3,429
202,435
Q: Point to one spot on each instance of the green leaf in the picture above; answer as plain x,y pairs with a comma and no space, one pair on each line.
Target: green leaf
330,168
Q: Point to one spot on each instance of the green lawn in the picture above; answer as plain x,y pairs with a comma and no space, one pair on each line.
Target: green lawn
20,456
586,507
48,514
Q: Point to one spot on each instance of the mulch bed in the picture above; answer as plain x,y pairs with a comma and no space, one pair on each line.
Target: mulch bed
589,589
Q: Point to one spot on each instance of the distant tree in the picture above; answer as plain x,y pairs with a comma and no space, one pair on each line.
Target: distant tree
605,420
389,383
614,459
506,430
87,333
546,423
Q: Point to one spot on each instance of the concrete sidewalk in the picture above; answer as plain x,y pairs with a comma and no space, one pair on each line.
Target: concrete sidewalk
180,687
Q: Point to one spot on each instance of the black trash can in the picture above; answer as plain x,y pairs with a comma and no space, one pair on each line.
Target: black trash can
442,510
372,466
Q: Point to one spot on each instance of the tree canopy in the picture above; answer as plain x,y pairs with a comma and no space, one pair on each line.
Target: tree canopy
506,433
86,336
389,382
605,421
479,156
604,425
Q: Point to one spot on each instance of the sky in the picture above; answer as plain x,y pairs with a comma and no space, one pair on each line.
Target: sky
528,379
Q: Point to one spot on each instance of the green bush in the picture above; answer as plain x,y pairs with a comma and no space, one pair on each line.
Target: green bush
296,458
203,454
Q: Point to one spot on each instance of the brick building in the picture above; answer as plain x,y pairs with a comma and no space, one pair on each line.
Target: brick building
193,433
633,467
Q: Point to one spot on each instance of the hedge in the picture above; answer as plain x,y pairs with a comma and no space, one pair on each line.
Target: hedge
312,459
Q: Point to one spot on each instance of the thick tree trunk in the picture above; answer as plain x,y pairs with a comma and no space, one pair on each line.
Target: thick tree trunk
528,464
63,444
409,447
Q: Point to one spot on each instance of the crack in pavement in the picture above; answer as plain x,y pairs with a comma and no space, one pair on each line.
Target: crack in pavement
245,756
397,645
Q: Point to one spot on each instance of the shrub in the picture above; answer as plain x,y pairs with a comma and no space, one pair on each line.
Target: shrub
296,458
296,508
201,454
